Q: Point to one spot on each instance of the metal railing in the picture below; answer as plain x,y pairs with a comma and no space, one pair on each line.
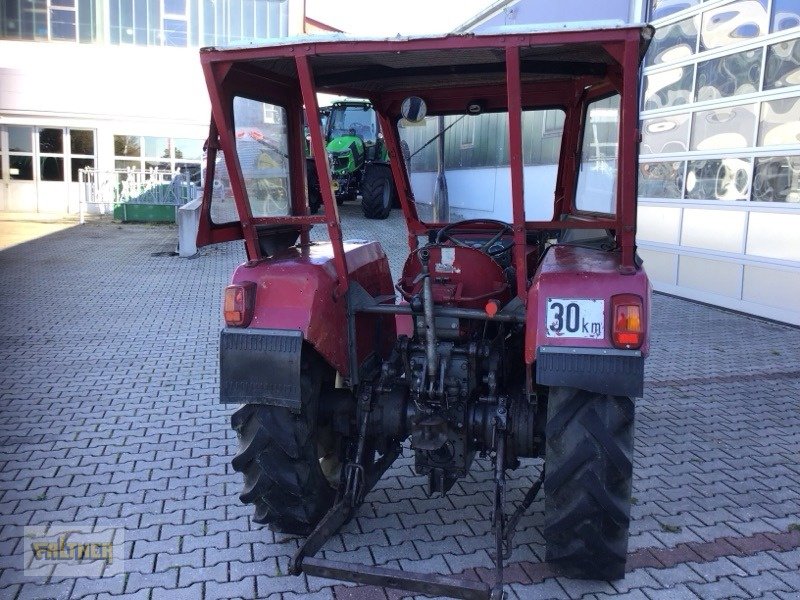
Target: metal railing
123,187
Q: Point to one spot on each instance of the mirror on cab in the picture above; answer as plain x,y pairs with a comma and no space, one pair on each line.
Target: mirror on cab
414,109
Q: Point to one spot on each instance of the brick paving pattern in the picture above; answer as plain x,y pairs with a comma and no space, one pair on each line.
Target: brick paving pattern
108,392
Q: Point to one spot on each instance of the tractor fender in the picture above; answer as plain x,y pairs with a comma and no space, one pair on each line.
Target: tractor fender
295,302
569,272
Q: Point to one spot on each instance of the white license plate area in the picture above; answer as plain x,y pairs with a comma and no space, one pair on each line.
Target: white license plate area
575,318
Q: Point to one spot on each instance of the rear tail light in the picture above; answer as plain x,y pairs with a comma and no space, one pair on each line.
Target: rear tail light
628,321
239,303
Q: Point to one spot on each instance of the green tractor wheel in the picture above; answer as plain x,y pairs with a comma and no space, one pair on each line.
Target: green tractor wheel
377,192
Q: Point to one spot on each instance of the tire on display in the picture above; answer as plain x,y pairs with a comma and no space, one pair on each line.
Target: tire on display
312,183
314,200
377,192
282,456
588,476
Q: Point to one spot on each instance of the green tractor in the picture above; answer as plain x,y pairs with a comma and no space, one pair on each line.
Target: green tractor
358,160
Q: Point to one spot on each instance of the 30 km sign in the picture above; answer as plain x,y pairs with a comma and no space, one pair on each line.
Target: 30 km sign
575,318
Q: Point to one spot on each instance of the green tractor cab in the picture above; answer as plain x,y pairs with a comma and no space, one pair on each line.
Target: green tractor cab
358,160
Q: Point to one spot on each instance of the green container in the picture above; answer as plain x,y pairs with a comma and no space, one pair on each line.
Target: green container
144,213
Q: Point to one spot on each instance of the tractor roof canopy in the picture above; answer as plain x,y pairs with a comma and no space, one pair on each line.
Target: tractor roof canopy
505,72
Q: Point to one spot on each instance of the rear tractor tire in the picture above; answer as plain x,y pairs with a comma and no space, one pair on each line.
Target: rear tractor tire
377,192
588,476
288,461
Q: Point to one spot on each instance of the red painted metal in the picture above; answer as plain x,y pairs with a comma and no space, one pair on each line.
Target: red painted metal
576,272
222,115
323,171
399,174
514,90
209,232
312,47
468,281
628,162
296,290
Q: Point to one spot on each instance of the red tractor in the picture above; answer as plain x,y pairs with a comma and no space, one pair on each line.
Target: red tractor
518,327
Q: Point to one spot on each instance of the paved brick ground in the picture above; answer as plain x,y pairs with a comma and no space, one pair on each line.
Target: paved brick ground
108,380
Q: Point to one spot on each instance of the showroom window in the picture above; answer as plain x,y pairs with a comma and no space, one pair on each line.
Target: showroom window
20,152
48,153
53,20
82,156
720,102
164,154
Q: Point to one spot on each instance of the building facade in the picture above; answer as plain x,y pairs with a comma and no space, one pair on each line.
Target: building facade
111,84
719,175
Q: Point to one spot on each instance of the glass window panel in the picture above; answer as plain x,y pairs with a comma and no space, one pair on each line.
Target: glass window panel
189,149
210,8
234,33
145,20
262,150
248,14
729,75
783,65
20,168
664,8
86,21
261,21
81,141
777,179
223,205
194,23
32,19
51,141
20,138
175,33
9,20
127,145
127,164
78,164
718,179
122,23
62,25
780,122
156,147
190,170
729,127
64,3
785,14
51,168
661,179
673,42
668,88
160,166
597,177
665,134
39,10
733,23
175,7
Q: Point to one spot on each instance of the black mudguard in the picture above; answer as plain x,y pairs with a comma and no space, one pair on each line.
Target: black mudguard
600,370
260,366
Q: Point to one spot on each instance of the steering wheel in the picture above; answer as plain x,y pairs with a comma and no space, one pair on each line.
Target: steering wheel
503,228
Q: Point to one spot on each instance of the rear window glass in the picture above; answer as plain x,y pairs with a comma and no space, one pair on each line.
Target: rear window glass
597,177
466,156
223,206
262,149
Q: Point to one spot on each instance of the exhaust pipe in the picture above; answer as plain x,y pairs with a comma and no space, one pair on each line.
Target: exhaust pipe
427,309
